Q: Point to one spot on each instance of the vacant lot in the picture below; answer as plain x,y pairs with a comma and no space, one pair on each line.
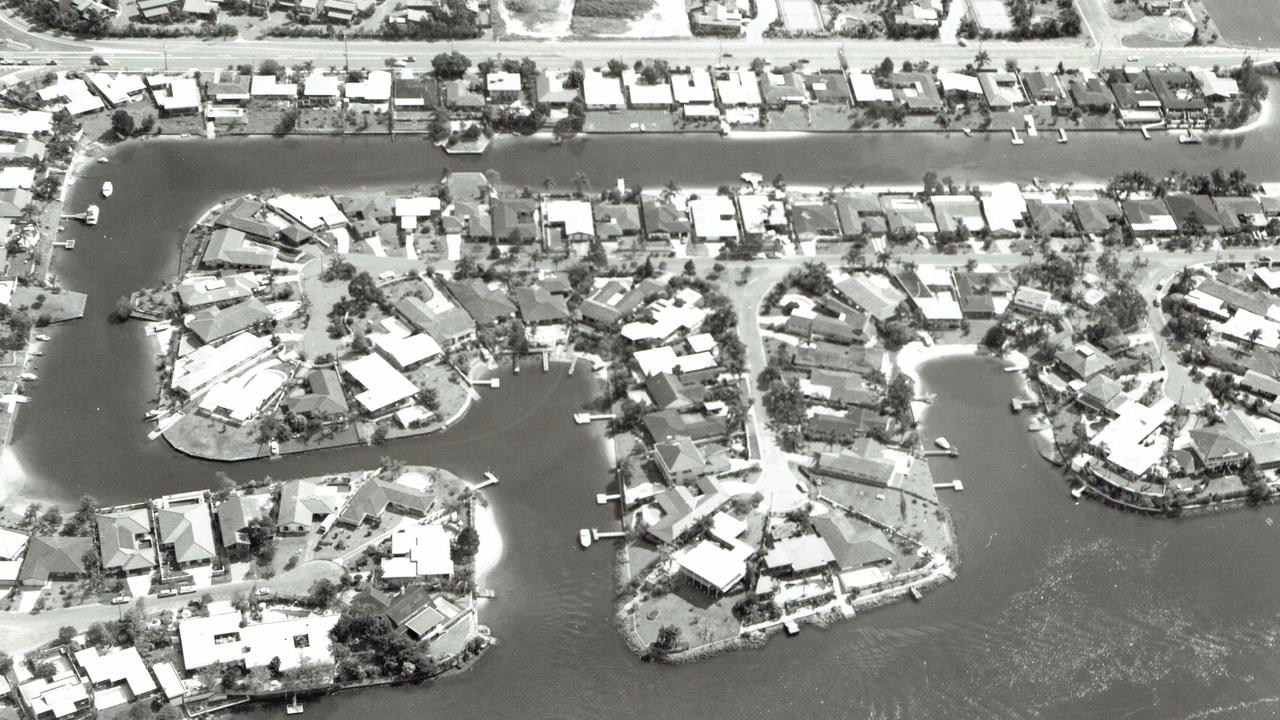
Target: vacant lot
1246,22
625,9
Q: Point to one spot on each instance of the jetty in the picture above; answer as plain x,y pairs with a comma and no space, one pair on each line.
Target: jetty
942,453
606,498
489,479
953,485
1017,139
1019,403
546,361
607,534
582,418
68,244
163,424
573,364
487,382
486,593
1062,136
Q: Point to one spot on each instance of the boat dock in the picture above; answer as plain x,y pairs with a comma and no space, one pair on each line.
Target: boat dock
486,593
487,382
489,479
68,244
606,498
573,364
584,418
942,453
1062,136
1017,139
956,485
546,361
607,534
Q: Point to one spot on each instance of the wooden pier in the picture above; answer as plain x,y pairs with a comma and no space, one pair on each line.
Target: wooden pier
573,364
606,498
489,479
487,382
546,361
942,453
606,534
953,485
584,418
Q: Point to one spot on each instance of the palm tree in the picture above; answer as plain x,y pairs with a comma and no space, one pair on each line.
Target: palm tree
548,183
982,59
581,181
883,258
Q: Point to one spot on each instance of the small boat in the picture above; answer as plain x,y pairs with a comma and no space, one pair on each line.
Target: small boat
916,594
1062,136
104,160
294,707
42,337
28,376
153,415
107,189
1077,491
584,538
91,215
942,443
792,627
968,132
1189,139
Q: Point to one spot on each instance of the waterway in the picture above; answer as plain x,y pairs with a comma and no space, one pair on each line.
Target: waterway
1061,610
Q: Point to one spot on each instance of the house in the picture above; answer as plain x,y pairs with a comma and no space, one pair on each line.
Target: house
715,218
711,567
1084,360
829,88
459,95
418,551
1194,213
1043,87
485,305
853,549
780,89
665,424
643,94
503,88
761,214
679,460
302,503
693,87
515,220
212,363
664,220
1050,216
601,92
323,397
54,558
234,516
471,219
1216,450
615,221
60,697
1002,90
184,530
614,300
860,215
410,93
375,496
855,467
449,324
212,324
1240,214
124,542
1177,89
953,212
320,89
813,221
907,217
566,220
839,389
917,91
866,91
821,327
1096,216
681,509
738,88
424,615
538,306
873,294
201,291
406,352
1215,87
1148,216
1091,95
384,387
551,88
374,92
799,556
225,638
121,667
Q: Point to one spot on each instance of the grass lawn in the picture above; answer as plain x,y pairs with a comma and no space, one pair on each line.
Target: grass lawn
49,305
701,618
534,12
205,437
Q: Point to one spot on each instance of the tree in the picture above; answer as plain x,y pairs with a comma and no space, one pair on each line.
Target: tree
995,339
670,639
270,67
81,522
690,269
322,595
97,636
886,67
122,123
982,59
450,65
66,634
466,545
6,663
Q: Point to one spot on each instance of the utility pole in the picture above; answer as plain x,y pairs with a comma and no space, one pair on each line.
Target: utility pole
346,56
166,56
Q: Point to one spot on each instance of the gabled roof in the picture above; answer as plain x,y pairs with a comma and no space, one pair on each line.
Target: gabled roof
1213,445
538,305
234,515
679,455
662,216
486,306
853,549
324,395
215,323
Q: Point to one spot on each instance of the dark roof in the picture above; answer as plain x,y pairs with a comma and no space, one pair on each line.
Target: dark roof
538,305
228,246
1050,218
851,548
375,495
484,305
813,219
1213,445
1187,208
54,556
614,300
858,468
407,605
669,391
215,323
514,217
838,357
829,87
925,96
446,327
616,220
324,395
1096,215
670,423
240,214
662,216
860,213
234,515
124,540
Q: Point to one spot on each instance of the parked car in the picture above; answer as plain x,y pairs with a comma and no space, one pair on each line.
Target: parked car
120,600
262,591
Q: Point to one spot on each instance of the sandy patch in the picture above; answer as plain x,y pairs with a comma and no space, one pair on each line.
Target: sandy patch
556,28
1264,120
666,19
490,541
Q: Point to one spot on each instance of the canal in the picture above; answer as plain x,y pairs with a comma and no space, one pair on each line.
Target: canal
1061,610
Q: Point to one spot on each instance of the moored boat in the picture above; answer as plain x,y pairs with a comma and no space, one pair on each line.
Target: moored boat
584,537
107,189
943,443
91,215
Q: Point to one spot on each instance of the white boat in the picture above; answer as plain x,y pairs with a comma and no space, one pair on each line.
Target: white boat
942,443
28,376
294,707
584,537
104,160
42,337
91,215
1189,139
968,132
107,189
1062,136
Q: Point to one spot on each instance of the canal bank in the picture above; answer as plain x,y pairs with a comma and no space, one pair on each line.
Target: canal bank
1059,610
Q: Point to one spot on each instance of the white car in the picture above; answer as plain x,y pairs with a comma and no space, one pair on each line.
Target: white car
120,600
262,591
1132,58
